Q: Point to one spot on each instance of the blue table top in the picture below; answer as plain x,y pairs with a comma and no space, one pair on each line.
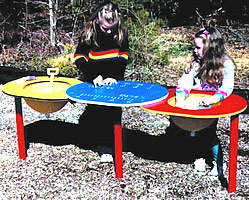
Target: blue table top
122,94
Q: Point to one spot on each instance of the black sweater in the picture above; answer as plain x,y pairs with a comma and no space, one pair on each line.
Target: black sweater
108,59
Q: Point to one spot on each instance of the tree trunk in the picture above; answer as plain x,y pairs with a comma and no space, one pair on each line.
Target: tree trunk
53,8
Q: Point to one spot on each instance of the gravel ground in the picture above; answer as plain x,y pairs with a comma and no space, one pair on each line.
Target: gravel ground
69,172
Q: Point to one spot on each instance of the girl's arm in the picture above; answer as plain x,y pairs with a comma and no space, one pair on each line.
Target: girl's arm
185,84
81,56
227,84
124,50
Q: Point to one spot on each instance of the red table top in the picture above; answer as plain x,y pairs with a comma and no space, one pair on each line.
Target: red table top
230,106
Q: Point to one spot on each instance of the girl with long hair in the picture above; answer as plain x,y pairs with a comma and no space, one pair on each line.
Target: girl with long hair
211,70
102,56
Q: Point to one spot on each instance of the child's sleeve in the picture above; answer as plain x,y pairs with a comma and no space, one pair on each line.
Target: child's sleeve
185,84
81,55
124,50
227,84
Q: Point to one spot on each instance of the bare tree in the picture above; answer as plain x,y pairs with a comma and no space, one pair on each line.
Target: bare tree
53,9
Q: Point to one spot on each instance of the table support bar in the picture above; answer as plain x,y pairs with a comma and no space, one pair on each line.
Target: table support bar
118,151
20,129
233,153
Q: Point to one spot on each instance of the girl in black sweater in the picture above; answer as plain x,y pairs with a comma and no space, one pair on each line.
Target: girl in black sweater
102,56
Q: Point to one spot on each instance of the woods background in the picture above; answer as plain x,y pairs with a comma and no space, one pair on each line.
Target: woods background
38,34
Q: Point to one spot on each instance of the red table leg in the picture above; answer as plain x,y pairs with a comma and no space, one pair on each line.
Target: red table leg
20,128
118,151
233,153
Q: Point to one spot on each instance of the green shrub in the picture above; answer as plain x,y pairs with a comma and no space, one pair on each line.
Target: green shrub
144,53
65,63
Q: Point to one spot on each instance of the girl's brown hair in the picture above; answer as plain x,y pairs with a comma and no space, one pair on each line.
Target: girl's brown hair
90,31
212,63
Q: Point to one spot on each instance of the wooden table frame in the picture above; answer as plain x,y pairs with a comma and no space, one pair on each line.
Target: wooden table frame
230,107
118,142
22,151
232,156
15,89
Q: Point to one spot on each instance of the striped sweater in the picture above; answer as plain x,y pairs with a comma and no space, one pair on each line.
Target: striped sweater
108,59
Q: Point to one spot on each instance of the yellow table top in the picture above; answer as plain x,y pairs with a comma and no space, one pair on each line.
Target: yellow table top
40,88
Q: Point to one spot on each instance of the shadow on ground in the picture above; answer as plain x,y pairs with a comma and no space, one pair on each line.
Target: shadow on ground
170,147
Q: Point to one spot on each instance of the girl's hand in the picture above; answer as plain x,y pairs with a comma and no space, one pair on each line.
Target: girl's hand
98,81
109,81
181,103
206,101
